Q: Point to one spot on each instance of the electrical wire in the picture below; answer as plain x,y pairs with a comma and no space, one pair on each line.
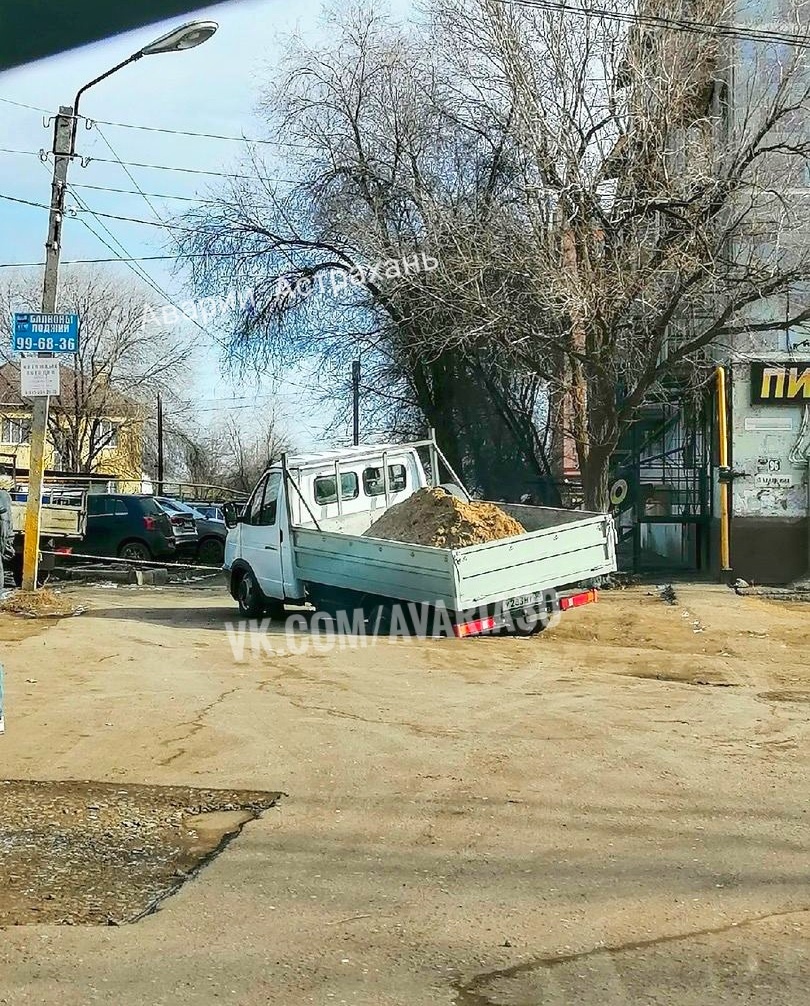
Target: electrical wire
138,192
175,167
190,132
131,262
22,104
157,167
126,219
12,150
725,30
118,258
24,202
131,177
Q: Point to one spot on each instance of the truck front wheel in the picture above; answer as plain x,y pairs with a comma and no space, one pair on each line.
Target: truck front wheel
249,596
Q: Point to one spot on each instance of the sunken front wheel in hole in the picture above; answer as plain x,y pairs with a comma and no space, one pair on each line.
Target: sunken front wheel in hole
135,551
249,596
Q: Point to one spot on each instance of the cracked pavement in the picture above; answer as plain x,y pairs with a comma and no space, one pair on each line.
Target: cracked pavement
612,812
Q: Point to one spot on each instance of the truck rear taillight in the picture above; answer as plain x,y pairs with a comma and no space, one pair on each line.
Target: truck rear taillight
464,629
149,523
577,600
63,551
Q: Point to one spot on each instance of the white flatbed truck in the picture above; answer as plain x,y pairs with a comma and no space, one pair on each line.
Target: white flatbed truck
62,526
300,540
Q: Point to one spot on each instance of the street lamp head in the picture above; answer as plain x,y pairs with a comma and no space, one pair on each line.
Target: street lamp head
184,37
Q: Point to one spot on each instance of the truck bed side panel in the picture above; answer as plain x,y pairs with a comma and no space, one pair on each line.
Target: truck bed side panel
390,568
539,560
56,521
463,578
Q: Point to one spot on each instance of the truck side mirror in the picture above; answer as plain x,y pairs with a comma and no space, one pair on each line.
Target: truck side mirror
230,511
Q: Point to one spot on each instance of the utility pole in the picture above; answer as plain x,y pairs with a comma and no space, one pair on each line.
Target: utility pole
62,144
185,36
355,402
160,445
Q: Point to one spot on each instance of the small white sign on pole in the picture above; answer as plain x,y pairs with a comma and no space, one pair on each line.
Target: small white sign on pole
39,377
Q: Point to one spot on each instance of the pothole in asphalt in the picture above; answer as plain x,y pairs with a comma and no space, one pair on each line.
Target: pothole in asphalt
93,853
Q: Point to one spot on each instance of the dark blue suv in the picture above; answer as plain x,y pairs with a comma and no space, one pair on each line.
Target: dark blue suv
130,527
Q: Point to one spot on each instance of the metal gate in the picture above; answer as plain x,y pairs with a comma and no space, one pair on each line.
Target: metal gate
662,488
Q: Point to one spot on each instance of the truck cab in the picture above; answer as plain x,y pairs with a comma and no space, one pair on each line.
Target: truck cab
348,489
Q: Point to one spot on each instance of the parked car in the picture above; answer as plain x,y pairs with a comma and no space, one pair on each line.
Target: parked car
210,533
183,522
127,526
211,511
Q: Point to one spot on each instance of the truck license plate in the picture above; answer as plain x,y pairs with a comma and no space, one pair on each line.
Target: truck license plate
523,600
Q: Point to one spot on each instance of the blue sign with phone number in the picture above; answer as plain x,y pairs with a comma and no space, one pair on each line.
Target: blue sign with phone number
46,333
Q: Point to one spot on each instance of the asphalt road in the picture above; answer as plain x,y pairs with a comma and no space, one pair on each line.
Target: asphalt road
613,812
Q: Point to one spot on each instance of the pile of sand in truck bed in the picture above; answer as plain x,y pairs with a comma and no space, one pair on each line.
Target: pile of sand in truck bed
435,517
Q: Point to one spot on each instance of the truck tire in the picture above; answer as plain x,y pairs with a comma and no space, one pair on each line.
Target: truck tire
249,596
378,619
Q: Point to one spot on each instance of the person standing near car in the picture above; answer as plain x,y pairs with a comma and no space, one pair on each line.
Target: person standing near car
6,525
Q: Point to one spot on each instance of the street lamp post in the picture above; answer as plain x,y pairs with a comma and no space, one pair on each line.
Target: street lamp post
186,36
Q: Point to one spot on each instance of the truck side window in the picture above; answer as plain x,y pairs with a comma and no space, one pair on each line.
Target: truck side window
397,478
269,508
373,484
253,509
326,490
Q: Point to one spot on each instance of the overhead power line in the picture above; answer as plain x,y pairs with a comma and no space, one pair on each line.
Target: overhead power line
12,150
137,192
132,178
22,104
158,167
725,30
118,258
180,168
24,202
83,208
191,132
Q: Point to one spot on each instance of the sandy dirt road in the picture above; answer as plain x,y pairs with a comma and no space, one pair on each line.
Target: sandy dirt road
616,811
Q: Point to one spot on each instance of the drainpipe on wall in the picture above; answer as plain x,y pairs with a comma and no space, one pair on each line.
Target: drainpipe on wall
808,517
724,472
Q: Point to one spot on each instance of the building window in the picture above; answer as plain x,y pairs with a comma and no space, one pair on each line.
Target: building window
16,431
106,435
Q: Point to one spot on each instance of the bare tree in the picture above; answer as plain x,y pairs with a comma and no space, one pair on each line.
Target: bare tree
604,203
233,453
109,386
654,214
334,261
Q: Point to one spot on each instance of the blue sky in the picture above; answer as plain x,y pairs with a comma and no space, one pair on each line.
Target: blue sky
213,88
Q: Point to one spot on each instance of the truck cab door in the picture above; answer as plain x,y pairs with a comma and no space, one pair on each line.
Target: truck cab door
260,536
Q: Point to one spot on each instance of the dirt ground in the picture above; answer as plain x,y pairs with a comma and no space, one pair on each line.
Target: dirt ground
615,811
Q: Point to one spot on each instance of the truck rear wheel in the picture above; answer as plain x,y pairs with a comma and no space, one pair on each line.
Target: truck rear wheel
378,618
